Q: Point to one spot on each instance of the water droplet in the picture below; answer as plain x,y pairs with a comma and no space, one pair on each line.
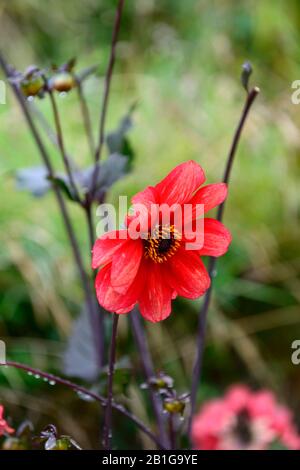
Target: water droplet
30,98
37,376
52,382
29,373
62,94
84,396
45,379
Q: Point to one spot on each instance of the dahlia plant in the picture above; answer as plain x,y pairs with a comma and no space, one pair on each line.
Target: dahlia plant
156,255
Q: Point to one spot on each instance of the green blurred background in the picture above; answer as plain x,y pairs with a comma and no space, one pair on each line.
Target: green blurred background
181,60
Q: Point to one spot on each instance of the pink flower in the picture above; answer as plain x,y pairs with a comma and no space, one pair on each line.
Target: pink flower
4,428
244,420
155,267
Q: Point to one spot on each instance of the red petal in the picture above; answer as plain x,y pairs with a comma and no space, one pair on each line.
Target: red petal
155,299
217,238
106,246
179,185
145,197
112,300
142,204
186,274
125,265
210,195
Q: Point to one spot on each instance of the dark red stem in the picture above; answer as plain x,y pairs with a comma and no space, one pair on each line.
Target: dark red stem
107,83
197,369
107,430
79,389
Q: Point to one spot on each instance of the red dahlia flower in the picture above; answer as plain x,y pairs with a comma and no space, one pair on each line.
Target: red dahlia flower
244,420
4,428
155,267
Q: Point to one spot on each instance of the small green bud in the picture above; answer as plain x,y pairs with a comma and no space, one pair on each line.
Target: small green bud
32,84
174,406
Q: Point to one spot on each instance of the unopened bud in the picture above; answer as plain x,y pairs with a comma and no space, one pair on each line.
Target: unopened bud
174,406
32,84
245,75
62,82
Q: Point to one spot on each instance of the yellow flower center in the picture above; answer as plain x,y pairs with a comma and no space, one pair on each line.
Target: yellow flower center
162,243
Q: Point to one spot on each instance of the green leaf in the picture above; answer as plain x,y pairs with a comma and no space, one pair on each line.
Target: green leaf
110,171
63,183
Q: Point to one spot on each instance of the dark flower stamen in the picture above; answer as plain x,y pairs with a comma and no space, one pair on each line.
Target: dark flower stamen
162,243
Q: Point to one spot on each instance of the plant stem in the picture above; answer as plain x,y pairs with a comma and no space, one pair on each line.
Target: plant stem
172,432
107,83
86,118
87,211
142,345
66,219
61,145
107,430
43,123
89,219
197,369
79,389
101,327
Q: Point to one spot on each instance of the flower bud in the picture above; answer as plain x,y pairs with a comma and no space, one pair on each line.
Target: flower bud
245,75
32,82
62,444
174,406
161,382
62,82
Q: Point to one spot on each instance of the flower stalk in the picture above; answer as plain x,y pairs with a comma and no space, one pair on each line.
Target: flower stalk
86,117
172,432
197,369
143,348
107,431
61,145
107,84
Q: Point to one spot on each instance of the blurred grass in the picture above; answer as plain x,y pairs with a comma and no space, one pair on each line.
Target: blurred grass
181,61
